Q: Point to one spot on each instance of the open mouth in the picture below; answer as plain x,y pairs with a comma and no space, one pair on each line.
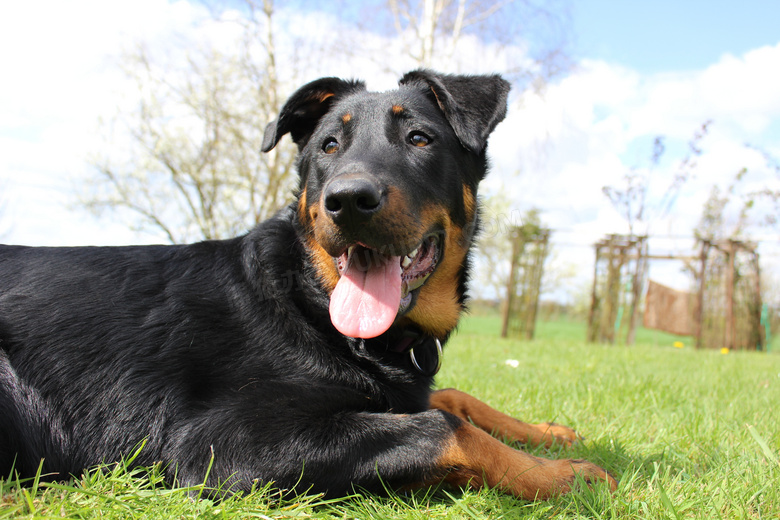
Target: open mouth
374,287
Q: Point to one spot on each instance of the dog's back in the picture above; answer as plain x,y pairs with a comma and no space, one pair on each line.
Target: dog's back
92,346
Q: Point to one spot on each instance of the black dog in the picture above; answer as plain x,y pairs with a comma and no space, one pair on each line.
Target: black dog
302,353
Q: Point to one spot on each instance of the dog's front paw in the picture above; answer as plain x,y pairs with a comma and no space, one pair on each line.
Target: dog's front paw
589,472
551,433
566,474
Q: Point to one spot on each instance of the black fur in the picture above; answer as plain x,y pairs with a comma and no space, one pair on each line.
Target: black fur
226,348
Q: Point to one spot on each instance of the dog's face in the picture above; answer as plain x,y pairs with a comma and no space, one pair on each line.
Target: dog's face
388,193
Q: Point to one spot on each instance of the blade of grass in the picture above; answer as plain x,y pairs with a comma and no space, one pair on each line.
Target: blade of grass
768,453
463,507
667,502
87,492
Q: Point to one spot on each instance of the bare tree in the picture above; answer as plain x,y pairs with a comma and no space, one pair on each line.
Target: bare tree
768,196
730,213
631,199
713,224
494,249
194,168
433,20
430,34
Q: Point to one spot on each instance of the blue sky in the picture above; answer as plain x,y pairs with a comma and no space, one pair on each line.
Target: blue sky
670,36
643,69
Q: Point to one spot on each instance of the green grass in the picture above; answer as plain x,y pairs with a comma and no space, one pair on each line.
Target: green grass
689,434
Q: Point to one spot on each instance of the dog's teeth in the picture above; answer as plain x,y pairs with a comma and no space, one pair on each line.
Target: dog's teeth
406,262
349,251
414,253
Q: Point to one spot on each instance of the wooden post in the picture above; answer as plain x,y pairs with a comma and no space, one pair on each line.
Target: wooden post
705,249
534,282
617,256
730,267
529,252
760,335
511,288
592,314
637,281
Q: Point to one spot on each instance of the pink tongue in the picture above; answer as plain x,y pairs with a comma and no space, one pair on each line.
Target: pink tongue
365,302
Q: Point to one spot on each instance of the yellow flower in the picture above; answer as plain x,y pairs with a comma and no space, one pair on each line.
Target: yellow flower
724,350
678,344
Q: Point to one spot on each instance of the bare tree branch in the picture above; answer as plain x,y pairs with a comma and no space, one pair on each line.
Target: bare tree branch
631,199
195,137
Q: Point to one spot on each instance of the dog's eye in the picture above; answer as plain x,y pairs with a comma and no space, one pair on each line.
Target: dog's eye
419,139
330,146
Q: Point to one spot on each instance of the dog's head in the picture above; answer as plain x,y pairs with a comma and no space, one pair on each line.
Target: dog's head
388,193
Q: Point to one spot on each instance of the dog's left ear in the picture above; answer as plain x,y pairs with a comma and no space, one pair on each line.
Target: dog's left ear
473,105
301,113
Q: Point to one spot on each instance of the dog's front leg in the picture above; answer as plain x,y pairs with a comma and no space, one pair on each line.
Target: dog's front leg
498,424
335,453
475,458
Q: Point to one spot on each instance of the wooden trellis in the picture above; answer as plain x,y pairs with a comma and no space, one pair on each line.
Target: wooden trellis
729,296
530,247
618,277
728,291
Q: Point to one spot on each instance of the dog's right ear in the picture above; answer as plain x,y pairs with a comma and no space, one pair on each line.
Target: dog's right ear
301,113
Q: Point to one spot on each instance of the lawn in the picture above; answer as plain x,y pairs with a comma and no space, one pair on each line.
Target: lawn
689,434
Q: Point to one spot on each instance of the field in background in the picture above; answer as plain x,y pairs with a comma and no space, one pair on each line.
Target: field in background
557,322
689,434
489,324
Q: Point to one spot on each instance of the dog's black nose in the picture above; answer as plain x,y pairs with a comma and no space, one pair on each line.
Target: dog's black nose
352,200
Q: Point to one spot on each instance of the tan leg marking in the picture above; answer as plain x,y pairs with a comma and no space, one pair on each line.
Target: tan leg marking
474,458
498,424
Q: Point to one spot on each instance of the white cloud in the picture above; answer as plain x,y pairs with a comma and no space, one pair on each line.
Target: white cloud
585,124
